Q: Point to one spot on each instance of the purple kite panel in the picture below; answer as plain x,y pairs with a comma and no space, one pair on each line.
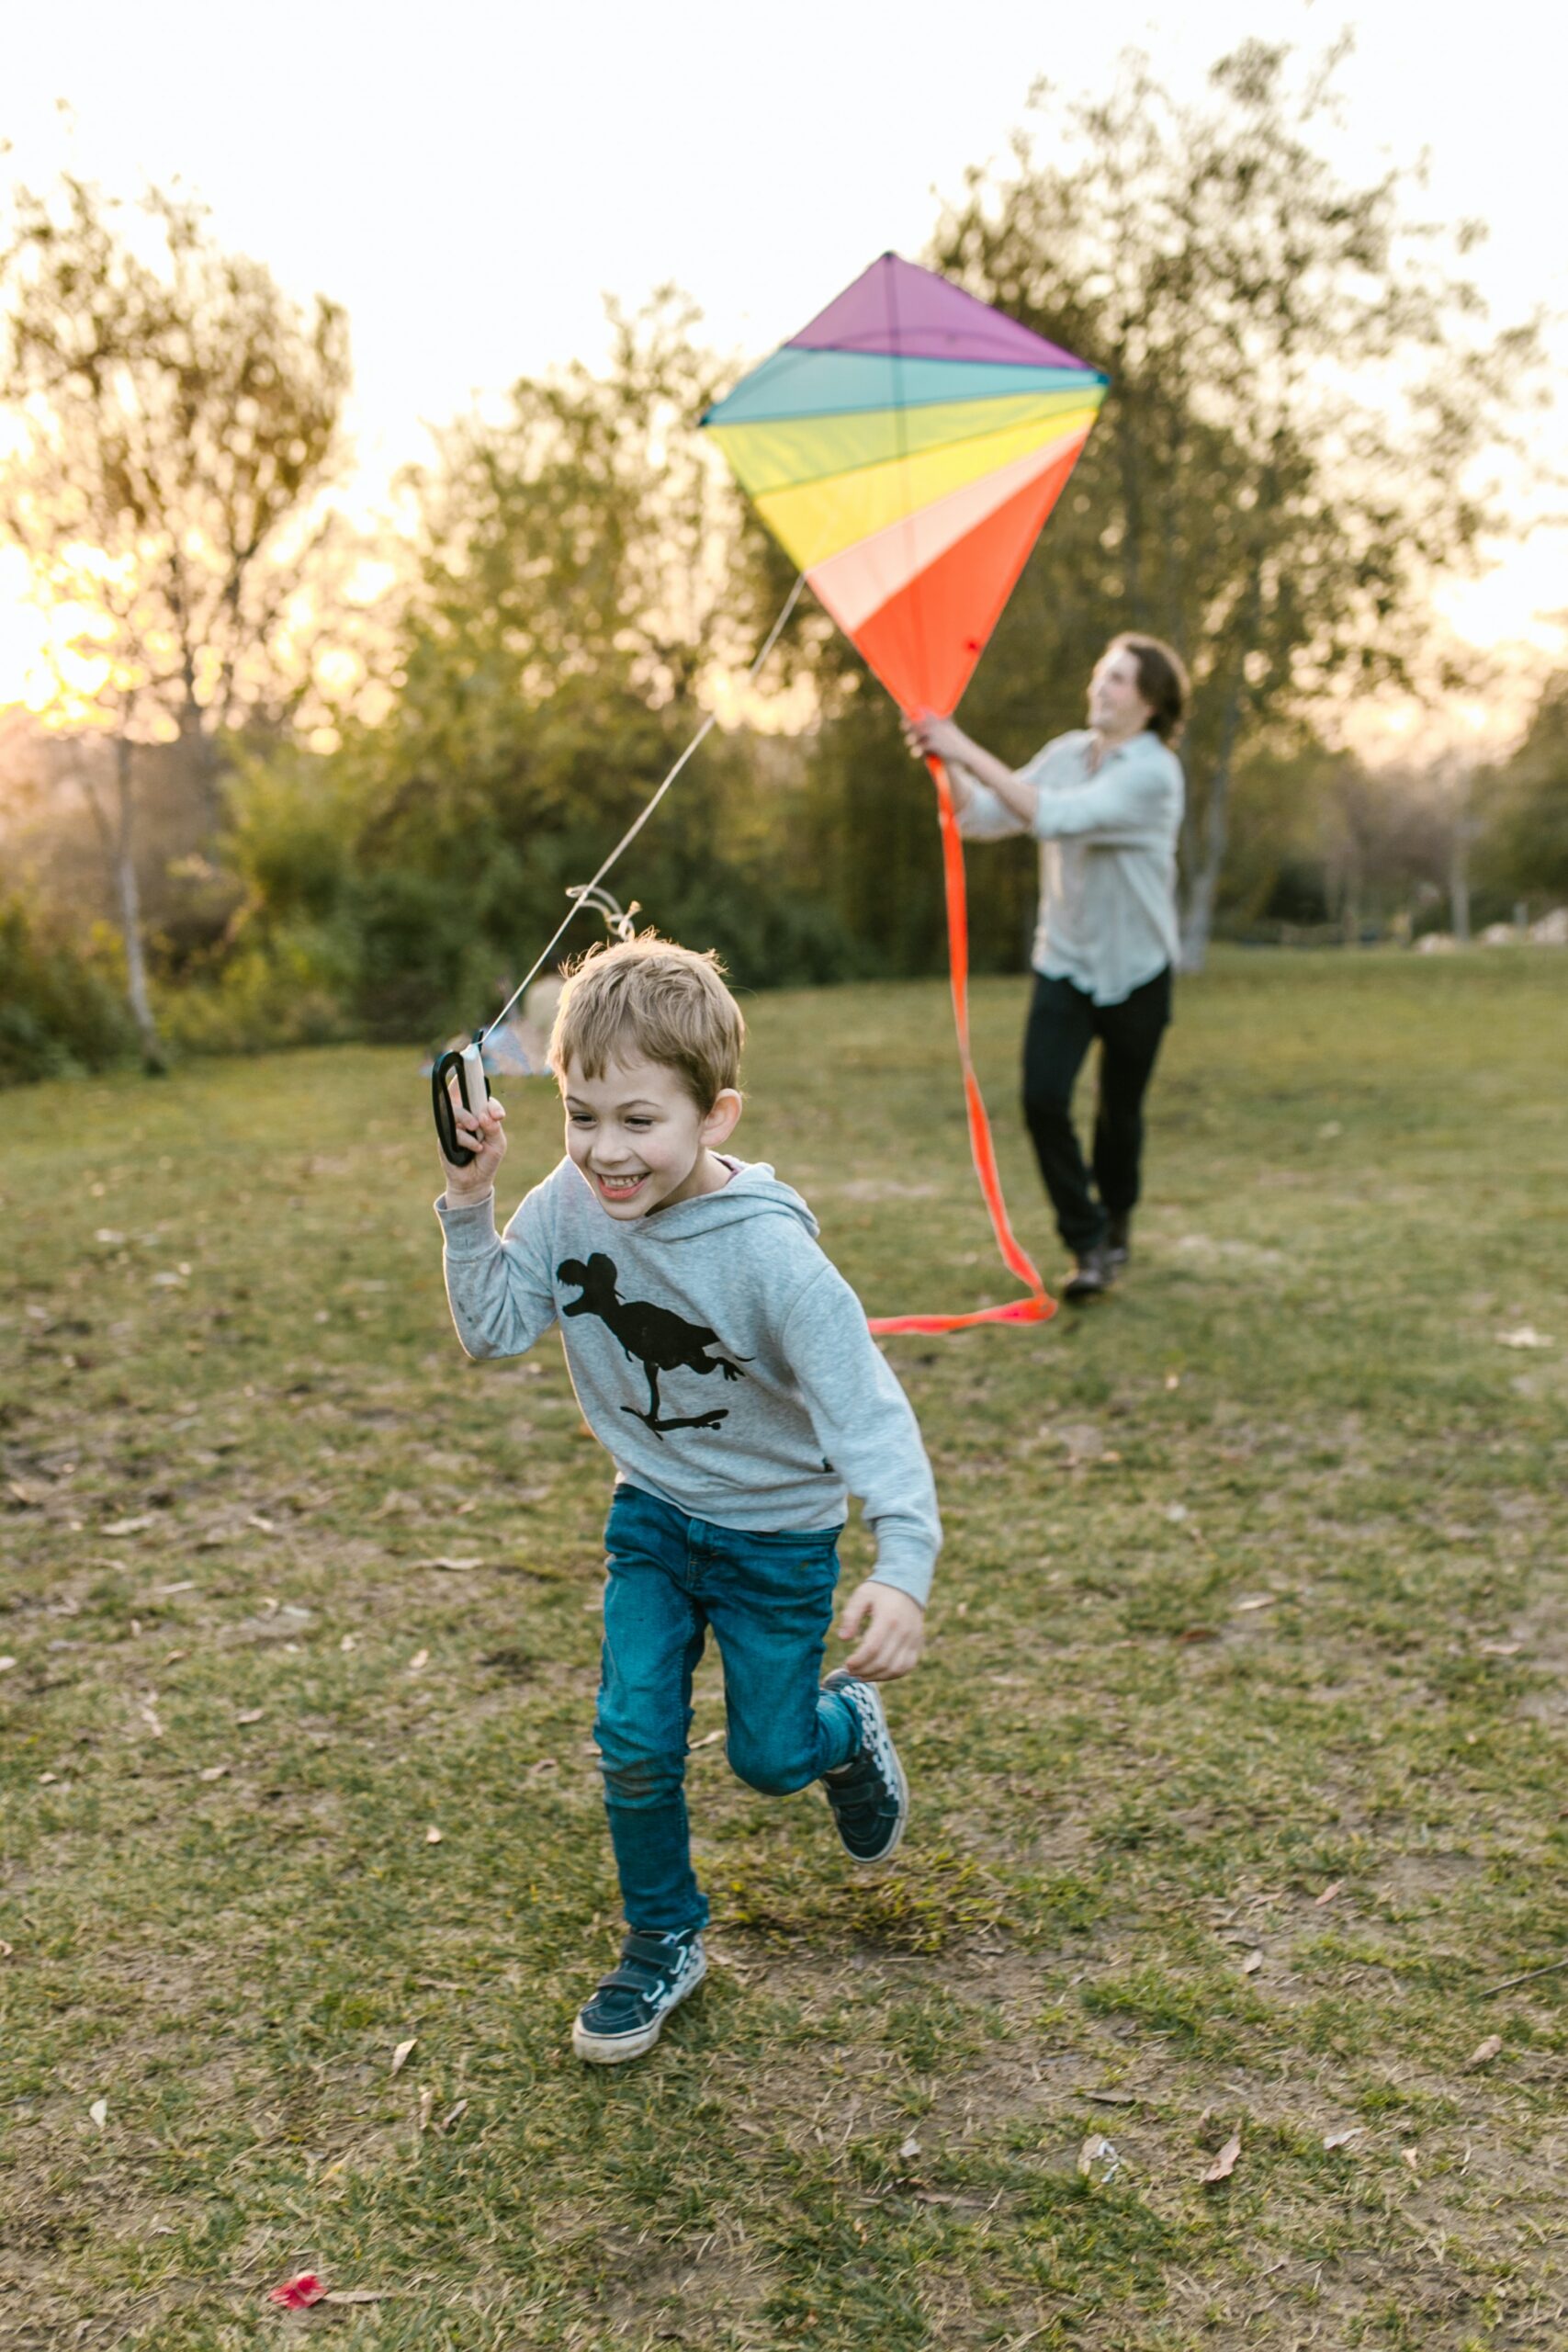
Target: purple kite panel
896,307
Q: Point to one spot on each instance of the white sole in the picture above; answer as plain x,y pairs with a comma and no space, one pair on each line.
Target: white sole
615,2048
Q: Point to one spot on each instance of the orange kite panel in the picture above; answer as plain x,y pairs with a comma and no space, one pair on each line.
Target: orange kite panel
924,642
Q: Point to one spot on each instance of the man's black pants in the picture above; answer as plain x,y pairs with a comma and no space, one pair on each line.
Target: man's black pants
1063,1023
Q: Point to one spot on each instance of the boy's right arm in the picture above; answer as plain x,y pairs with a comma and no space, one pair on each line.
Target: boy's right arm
499,1287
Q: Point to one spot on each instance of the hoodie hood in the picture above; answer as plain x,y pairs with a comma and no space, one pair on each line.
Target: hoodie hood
753,1191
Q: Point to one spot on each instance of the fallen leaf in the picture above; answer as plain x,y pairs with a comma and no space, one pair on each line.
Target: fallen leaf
427,2103
128,1526
1525,1336
707,1740
1099,2159
537,1771
298,2294
1343,2139
250,1714
99,2111
403,2051
1199,1633
6,1664
5,1948
359,2294
1484,2052
1335,1887
1175,1513
167,1591
1501,1649
21,1495
432,1836
421,1658
453,2115
45,1778
1112,2099
445,1562
911,2146
1224,2163
1256,1600
1252,1963
172,1657
349,1642
1410,2156
212,1771
255,1518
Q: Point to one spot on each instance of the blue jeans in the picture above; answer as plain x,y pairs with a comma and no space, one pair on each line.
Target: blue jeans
768,1600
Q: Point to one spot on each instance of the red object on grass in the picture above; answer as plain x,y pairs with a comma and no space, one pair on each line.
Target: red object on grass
298,2294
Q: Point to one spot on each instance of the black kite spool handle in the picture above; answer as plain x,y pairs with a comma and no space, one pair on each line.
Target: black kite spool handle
469,1063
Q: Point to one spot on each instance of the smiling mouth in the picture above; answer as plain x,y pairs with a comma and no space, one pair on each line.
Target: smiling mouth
619,1188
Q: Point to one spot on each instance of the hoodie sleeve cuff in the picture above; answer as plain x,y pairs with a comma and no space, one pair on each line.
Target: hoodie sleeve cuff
907,1570
470,1225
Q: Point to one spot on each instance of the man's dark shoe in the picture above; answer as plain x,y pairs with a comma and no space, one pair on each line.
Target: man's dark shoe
1092,1276
627,2015
1118,1242
869,1795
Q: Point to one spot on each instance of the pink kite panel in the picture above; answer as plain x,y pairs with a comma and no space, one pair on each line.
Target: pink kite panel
855,582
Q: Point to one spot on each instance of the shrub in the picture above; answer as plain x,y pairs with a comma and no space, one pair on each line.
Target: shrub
59,1013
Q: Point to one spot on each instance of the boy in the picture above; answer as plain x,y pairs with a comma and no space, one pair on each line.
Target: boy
727,1367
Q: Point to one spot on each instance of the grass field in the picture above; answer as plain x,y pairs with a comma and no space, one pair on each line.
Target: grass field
1238,1758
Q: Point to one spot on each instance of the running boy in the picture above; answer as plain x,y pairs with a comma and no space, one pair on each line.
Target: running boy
727,1367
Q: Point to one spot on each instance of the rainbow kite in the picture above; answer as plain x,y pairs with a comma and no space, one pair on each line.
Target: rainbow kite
905,450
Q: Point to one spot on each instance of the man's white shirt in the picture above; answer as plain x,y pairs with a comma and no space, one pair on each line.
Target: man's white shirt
1108,842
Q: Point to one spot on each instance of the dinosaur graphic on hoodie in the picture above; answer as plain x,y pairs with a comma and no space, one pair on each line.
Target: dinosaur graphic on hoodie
660,1341
811,1412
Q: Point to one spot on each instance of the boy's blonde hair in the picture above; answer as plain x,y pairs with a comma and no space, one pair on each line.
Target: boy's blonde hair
646,1000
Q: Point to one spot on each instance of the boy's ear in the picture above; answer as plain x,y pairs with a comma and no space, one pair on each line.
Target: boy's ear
722,1120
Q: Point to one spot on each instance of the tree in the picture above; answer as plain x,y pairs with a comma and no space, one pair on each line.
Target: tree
1303,389
180,421
1525,851
578,594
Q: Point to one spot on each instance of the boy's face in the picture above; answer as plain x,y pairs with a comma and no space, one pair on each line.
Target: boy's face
640,1139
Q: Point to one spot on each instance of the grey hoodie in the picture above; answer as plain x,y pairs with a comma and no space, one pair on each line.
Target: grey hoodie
719,1357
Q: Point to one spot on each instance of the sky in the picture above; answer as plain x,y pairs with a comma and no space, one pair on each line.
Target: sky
470,181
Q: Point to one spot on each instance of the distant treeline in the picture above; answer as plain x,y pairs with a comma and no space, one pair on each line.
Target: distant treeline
324,784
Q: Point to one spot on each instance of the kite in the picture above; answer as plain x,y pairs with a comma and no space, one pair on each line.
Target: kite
905,450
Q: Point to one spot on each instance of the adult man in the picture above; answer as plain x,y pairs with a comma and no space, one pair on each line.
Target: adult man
1105,803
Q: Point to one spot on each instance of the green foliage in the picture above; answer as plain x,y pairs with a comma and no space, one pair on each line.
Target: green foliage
1257,491
574,590
1525,851
61,1012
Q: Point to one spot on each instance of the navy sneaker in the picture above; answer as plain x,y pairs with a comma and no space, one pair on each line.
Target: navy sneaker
627,2014
869,1795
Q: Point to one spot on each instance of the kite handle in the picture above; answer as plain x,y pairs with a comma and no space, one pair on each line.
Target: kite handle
1037,1307
464,1064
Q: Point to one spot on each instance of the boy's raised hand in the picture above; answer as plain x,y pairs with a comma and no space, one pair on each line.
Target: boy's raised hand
484,1133
892,1630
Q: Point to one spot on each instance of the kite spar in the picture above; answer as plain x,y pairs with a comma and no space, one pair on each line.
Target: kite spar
905,450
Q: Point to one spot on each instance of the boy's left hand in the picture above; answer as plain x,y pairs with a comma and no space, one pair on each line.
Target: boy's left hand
892,1630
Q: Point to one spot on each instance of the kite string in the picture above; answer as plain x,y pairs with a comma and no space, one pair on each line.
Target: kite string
582,894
